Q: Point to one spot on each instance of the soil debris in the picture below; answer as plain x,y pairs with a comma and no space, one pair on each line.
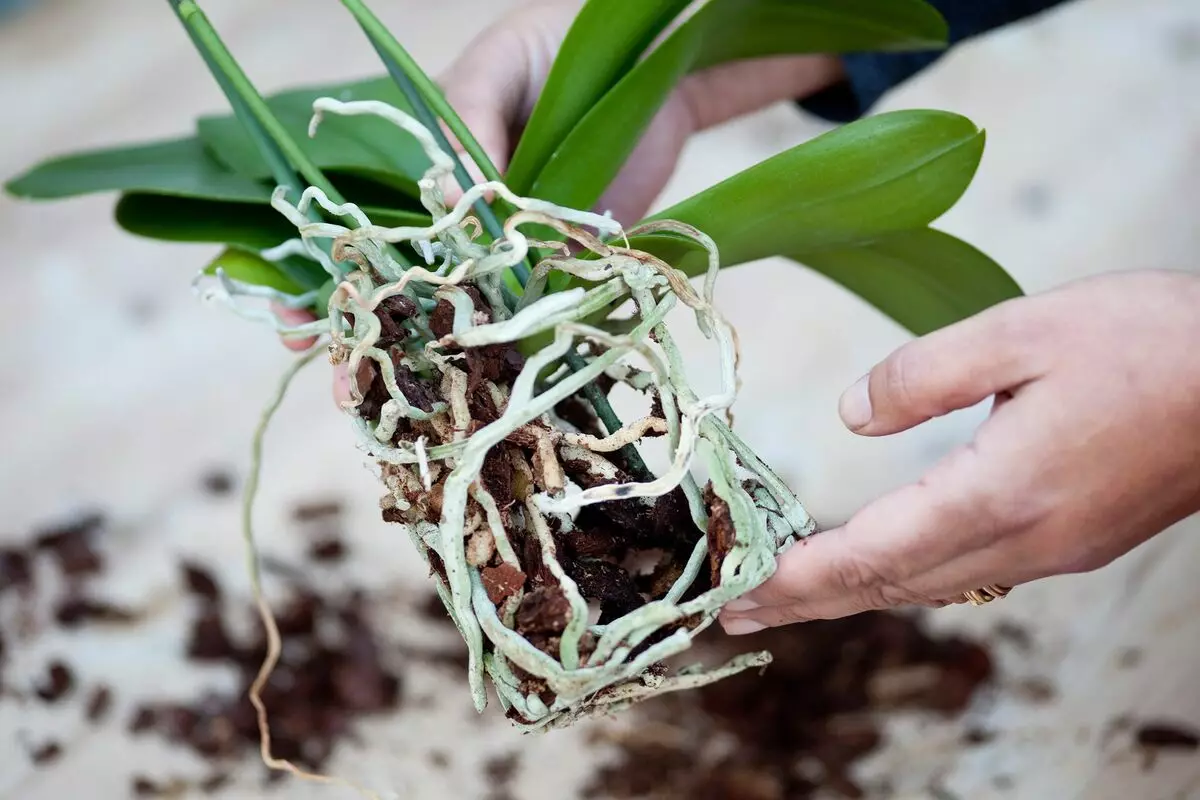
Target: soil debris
16,569
58,683
799,726
544,610
327,550
99,704
1016,634
316,510
501,582
71,545
143,720
214,783
199,581
1168,736
500,772
218,482
974,737
721,533
141,786
46,753
330,673
1036,690
209,639
76,610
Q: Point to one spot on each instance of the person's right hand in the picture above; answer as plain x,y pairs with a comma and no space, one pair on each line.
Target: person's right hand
495,82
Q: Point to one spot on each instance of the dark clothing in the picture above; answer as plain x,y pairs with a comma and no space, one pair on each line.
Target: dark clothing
870,75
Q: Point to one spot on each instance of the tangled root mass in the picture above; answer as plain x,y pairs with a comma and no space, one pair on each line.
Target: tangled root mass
571,573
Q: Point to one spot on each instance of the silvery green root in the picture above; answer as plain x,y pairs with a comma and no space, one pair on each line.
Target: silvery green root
416,400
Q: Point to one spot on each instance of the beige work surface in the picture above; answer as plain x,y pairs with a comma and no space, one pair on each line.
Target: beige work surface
118,388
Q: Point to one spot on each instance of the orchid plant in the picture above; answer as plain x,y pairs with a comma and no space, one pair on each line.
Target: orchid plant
483,338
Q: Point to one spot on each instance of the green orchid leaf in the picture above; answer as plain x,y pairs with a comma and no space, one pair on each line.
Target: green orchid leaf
883,174
255,227
754,28
923,279
604,42
238,225
252,228
248,266
179,219
590,157
178,168
365,146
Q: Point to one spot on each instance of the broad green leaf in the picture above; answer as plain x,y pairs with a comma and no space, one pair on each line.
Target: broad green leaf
884,174
245,226
180,168
366,146
179,219
828,26
604,42
363,189
248,266
590,157
924,279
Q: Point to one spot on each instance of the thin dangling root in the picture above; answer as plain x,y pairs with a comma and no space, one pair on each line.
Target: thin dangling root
274,644
522,505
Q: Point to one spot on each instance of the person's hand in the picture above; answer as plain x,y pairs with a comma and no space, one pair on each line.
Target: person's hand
299,316
497,79
1092,448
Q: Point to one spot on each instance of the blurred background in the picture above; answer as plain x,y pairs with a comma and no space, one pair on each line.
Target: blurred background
126,408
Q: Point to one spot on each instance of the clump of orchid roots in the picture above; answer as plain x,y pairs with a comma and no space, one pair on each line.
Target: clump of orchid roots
572,573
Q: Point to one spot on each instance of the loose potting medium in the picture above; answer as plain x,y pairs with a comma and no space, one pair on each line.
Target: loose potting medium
526,511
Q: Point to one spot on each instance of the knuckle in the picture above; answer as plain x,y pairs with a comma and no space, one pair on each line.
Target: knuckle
775,592
892,596
863,585
852,574
791,614
1020,322
899,375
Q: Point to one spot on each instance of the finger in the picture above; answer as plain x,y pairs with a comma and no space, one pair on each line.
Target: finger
487,87
341,380
341,384
872,561
1006,563
950,369
295,316
650,165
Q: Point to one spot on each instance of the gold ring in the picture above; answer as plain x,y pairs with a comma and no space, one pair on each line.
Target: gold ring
985,595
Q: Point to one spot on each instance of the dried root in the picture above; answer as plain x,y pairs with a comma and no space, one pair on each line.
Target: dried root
525,508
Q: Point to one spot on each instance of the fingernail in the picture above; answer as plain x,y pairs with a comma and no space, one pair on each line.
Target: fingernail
855,405
742,627
741,605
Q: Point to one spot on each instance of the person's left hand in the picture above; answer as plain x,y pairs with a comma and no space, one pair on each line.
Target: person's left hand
1092,447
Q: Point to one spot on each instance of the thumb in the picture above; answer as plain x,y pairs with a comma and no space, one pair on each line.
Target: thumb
948,370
